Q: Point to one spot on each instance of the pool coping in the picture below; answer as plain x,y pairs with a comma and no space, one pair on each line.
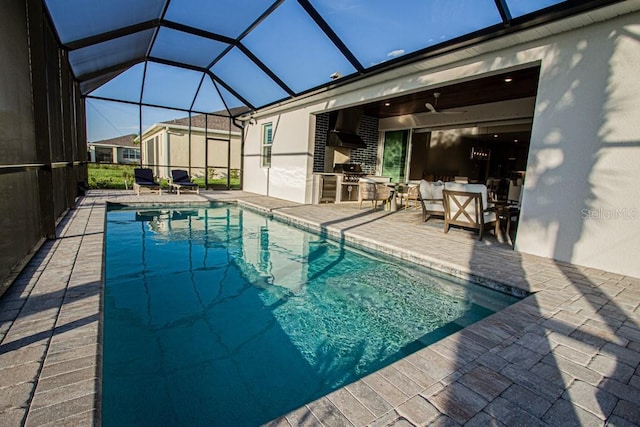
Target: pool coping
52,346
389,250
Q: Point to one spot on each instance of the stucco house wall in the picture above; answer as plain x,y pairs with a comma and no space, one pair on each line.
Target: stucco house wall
581,197
167,147
289,176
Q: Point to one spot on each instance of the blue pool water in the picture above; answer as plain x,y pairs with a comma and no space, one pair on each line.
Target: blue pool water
220,316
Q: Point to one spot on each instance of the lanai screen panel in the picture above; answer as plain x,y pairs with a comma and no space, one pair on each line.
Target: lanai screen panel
79,19
290,43
241,73
228,18
125,87
185,48
109,117
523,7
266,51
169,86
111,53
231,101
208,98
377,31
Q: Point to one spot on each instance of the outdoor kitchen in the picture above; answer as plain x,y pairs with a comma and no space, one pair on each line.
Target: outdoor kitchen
346,149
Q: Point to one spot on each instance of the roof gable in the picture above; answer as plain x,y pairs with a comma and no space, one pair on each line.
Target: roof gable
218,120
120,141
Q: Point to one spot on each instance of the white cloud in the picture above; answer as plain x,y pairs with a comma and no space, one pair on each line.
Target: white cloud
395,53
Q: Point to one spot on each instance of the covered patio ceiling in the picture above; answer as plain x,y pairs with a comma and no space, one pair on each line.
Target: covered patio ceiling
515,84
241,55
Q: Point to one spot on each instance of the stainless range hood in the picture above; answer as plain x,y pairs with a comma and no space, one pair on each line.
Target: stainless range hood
344,133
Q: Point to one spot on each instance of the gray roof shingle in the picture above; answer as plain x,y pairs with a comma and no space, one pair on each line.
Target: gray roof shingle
122,141
218,120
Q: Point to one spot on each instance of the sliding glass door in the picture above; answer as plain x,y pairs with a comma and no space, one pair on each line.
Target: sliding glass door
394,159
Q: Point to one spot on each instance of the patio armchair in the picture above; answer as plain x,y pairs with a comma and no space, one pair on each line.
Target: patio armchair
143,178
373,191
511,212
409,192
469,210
180,181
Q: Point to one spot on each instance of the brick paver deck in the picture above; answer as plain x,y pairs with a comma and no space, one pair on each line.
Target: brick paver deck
568,354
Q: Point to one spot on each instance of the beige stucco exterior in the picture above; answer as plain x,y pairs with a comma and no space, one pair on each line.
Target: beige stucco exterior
167,146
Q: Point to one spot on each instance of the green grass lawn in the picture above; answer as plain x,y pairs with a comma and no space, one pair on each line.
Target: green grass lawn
121,177
110,176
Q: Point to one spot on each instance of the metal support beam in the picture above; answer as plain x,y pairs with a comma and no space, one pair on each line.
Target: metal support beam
221,82
118,68
177,64
206,151
196,31
40,92
110,35
189,129
505,13
229,155
266,69
337,41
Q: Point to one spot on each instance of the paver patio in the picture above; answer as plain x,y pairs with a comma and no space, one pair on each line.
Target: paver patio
568,354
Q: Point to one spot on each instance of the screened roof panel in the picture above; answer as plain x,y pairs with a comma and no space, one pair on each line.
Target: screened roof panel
247,79
127,86
153,115
208,98
88,86
523,7
229,18
229,99
107,117
378,31
78,19
186,48
291,44
278,48
110,53
169,86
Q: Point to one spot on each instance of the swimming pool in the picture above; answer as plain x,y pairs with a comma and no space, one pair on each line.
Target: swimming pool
221,316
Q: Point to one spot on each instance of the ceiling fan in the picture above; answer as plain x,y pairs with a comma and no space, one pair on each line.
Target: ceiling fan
433,108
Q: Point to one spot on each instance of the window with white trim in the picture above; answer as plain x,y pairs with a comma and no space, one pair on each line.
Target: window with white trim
130,154
267,141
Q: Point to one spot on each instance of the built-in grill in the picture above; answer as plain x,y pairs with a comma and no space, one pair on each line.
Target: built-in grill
351,172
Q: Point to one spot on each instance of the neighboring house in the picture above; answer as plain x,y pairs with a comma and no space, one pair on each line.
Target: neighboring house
580,199
176,145
122,150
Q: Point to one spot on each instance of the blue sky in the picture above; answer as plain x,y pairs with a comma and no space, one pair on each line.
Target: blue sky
288,42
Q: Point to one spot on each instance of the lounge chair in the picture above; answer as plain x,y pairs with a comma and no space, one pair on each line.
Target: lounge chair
181,181
143,178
